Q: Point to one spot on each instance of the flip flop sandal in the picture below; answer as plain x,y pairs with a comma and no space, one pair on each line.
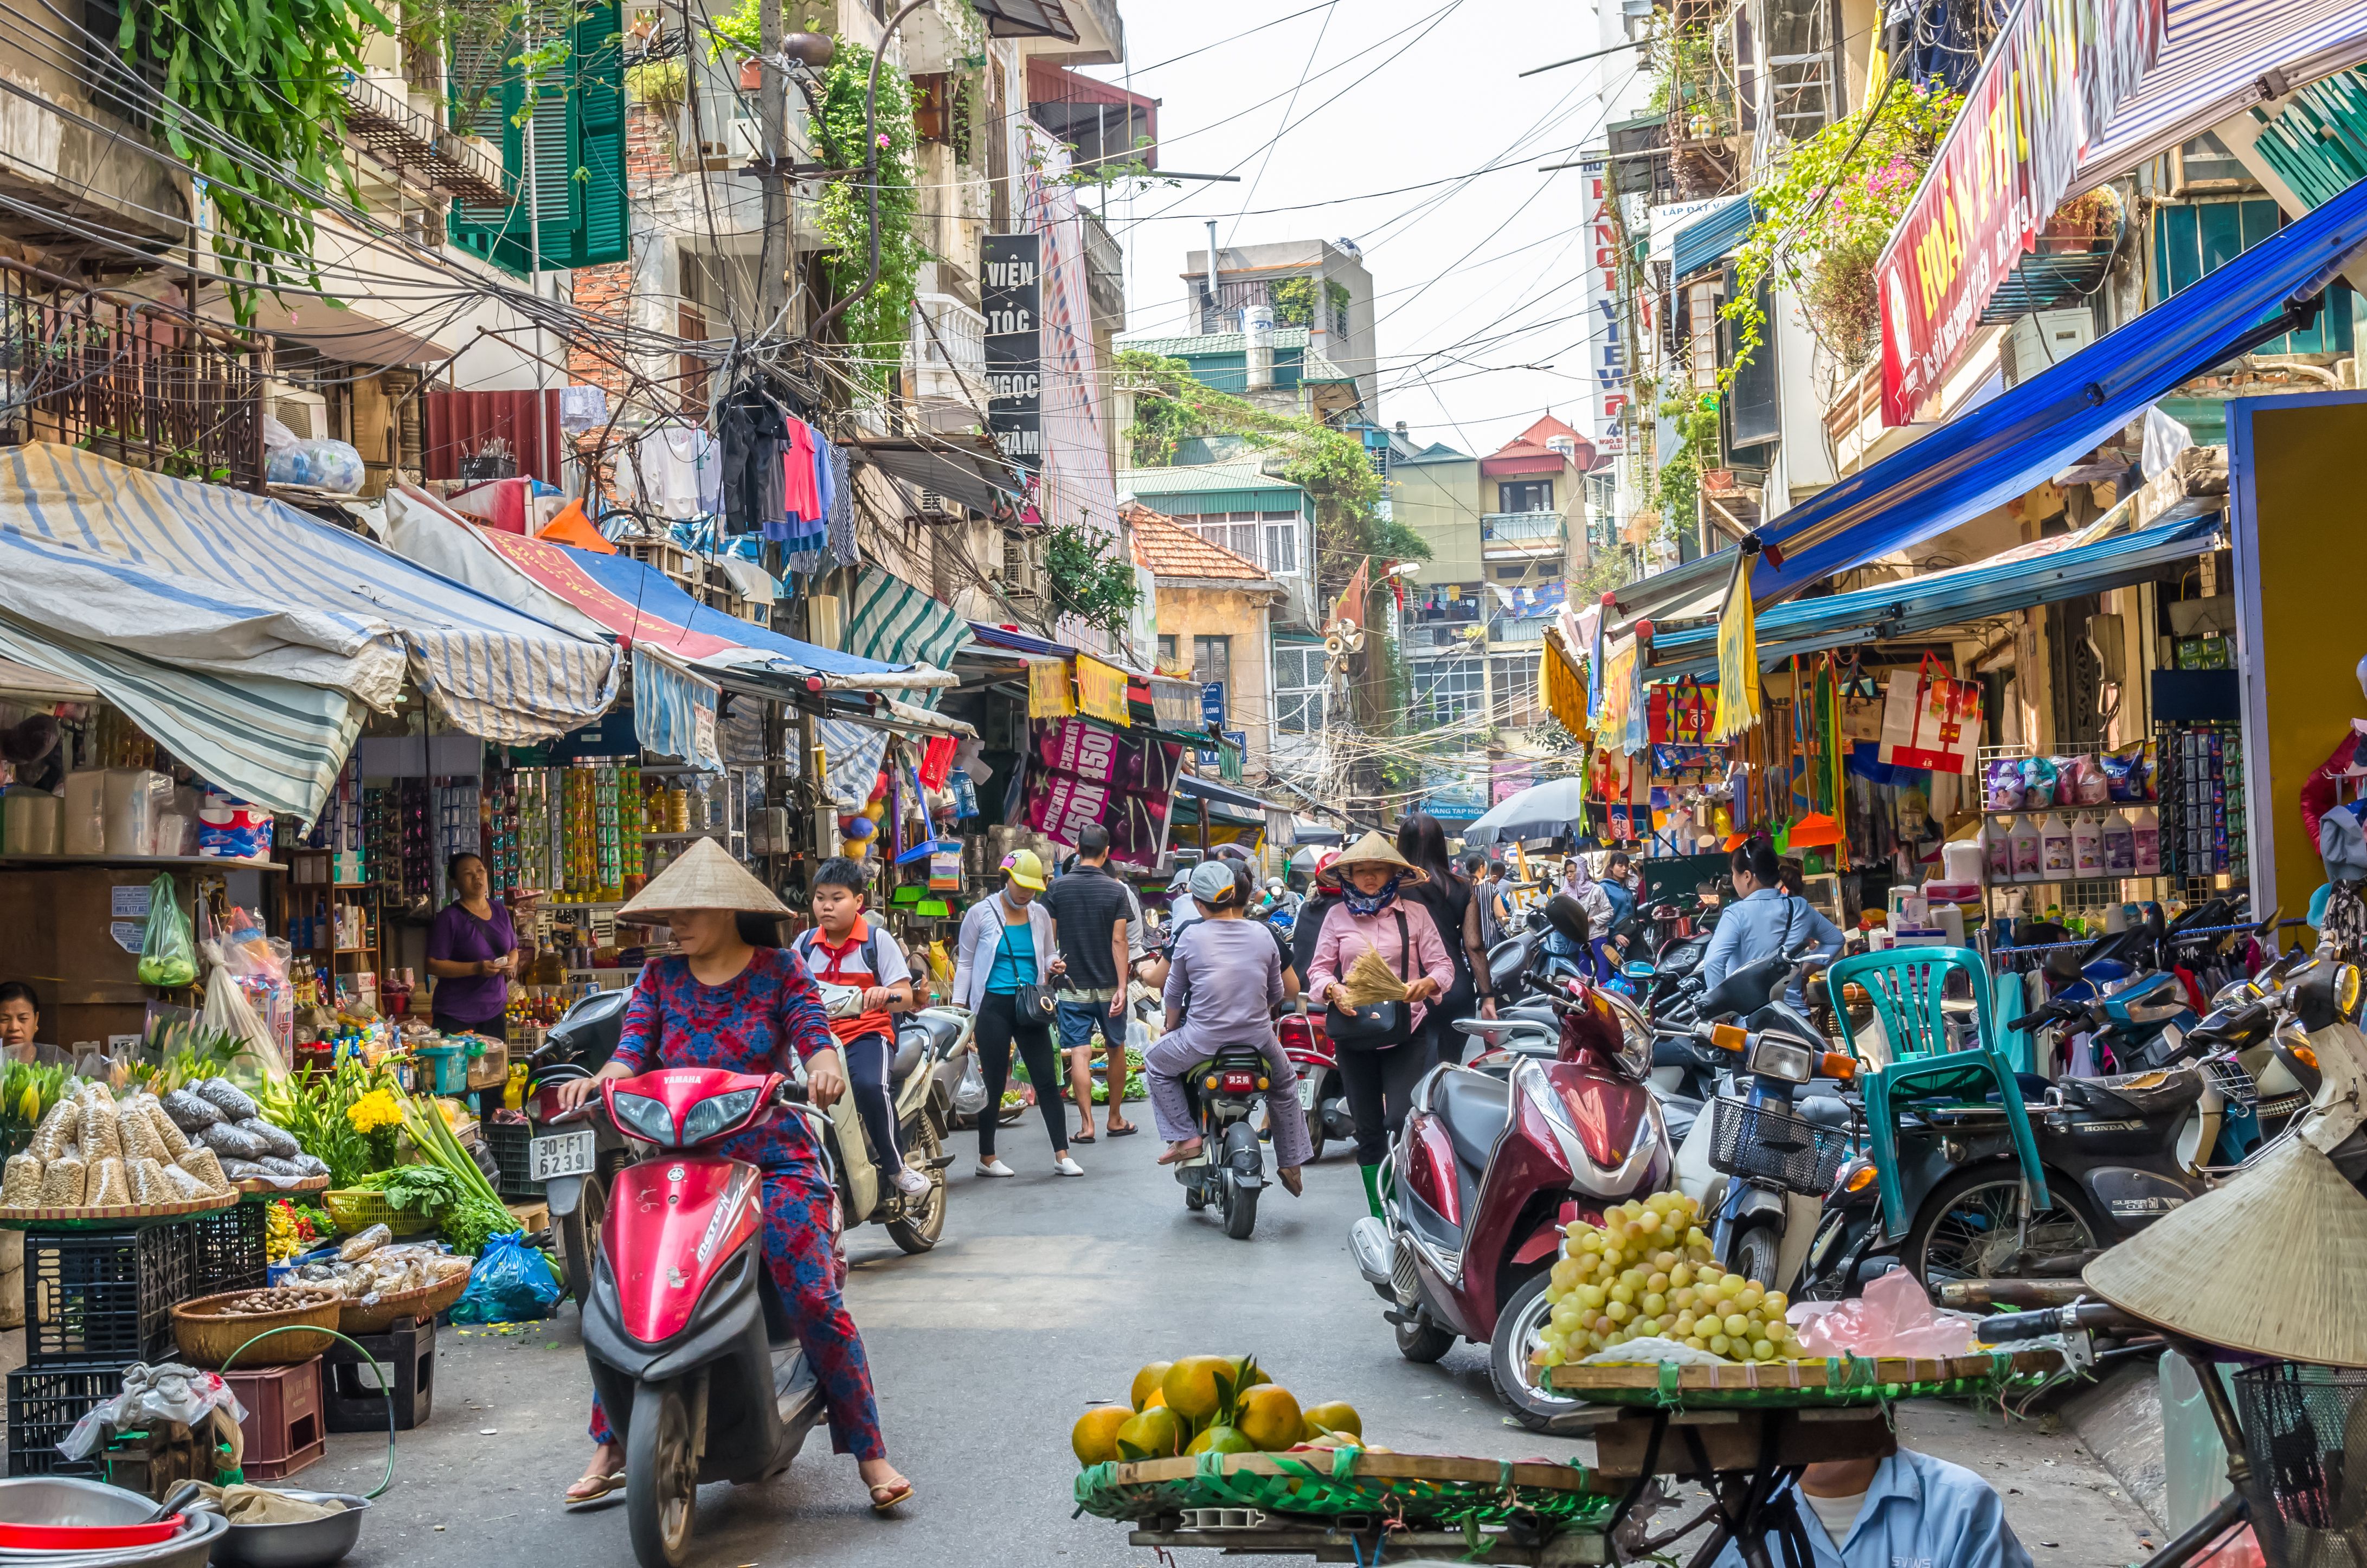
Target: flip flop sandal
1128,1131
1081,1137
609,1486
897,1497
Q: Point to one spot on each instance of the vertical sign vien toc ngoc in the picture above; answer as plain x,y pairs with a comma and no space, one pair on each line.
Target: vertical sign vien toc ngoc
1011,295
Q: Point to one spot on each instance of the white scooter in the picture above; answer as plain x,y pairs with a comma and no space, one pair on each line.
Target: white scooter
920,1097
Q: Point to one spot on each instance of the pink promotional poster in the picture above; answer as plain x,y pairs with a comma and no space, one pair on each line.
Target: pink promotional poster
1090,773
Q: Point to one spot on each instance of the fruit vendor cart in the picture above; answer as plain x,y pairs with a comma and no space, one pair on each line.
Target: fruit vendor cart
1353,1505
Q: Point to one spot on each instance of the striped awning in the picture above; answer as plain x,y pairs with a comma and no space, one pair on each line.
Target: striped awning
207,581
2218,58
273,743
897,623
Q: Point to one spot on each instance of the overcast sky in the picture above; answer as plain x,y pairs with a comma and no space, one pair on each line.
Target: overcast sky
1474,277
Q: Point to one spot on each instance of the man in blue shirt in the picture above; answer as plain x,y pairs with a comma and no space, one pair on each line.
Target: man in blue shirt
1762,921
1908,1510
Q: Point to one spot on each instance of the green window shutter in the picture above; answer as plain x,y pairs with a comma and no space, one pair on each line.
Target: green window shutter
599,103
578,216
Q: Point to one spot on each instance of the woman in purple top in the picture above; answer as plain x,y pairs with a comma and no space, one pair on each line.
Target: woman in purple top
472,950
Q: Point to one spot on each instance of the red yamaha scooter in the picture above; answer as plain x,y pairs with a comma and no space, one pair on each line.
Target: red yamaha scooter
1322,1094
690,1348
1491,1166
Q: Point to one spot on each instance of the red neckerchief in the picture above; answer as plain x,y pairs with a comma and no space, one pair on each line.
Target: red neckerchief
854,939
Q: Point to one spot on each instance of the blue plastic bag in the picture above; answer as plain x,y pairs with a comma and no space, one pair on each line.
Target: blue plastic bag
513,1283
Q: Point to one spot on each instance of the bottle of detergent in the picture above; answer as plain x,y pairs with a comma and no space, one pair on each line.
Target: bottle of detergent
2146,848
2055,847
2120,847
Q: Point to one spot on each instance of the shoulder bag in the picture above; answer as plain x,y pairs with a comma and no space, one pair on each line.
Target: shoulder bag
1383,1023
1033,1002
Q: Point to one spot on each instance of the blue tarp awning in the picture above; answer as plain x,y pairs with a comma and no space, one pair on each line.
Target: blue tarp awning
1708,237
1996,451
2049,570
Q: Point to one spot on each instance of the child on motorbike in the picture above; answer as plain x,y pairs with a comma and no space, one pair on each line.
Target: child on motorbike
844,947
1224,983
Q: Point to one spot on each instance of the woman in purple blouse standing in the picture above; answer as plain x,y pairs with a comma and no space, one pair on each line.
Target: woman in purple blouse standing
472,952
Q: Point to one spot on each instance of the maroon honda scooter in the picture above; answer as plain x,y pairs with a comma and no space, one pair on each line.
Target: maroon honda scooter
1492,1163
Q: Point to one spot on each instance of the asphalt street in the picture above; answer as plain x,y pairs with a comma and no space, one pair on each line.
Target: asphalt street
1046,1294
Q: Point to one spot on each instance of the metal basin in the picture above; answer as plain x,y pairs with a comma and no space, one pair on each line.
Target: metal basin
312,1543
68,1500
200,1528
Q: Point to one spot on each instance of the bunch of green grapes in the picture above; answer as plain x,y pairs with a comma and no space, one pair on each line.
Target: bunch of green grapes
1648,1271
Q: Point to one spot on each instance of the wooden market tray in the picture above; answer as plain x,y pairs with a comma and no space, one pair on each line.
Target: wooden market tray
1312,1484
82,1215
1383,1466
384,1314
255,1186
1841,1379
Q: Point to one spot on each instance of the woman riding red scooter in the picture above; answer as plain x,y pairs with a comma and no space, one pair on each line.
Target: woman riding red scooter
722,1003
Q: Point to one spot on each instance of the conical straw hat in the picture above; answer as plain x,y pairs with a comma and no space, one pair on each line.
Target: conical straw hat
2273,1263
703,877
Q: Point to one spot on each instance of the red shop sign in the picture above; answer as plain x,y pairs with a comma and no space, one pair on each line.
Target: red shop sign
2048,87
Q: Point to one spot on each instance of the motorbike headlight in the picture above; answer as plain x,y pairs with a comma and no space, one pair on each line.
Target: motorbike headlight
643,1117
708,1117
1634,1051
1775,1057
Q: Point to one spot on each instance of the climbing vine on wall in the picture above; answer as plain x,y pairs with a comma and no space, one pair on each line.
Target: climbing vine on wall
1170,407
875,329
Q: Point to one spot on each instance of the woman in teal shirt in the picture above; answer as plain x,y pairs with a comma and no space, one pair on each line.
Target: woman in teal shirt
1008,942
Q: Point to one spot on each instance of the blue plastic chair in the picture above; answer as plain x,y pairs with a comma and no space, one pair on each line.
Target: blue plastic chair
1907,985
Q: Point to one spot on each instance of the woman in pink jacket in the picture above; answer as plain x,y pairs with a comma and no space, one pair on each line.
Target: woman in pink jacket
1380,1058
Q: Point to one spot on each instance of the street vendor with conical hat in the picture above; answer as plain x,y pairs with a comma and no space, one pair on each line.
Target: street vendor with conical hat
1379,1067
718,1001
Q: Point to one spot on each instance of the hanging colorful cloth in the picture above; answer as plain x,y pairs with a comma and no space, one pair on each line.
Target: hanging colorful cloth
1637,735
1594,681
1738,653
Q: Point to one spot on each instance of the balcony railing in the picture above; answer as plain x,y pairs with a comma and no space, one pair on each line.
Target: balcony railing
132,380
414,147
1512,629
1526,531
948,351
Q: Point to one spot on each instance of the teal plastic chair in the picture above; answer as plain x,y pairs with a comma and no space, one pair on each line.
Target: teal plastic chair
1907,985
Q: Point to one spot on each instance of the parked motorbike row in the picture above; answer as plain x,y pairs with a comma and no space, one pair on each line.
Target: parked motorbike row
1592,1093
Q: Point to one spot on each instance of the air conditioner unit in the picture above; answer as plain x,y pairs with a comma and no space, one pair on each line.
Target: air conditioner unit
934,505
1020,577
2044,339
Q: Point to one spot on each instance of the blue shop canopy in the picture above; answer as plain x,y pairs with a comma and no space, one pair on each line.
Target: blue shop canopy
2042,572
2001,449
1709,237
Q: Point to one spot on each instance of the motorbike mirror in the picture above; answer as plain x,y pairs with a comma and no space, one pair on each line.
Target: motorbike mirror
1567,916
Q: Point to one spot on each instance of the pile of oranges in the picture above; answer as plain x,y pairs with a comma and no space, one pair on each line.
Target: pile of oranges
1200,1404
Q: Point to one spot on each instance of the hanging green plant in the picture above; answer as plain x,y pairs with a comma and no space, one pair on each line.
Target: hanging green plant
876,328
1828,240
269,74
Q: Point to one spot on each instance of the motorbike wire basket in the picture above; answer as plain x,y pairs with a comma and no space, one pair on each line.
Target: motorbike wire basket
2234,1085
1770,1144
2304,1427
